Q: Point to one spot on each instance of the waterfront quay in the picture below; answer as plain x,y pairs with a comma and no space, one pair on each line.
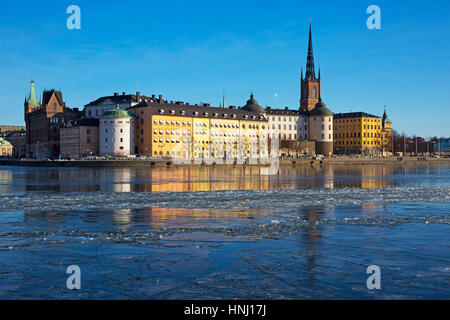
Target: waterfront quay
282,162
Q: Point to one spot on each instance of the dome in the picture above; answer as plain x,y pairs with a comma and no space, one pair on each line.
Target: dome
253,106
117,113
386,120
4,143
321,110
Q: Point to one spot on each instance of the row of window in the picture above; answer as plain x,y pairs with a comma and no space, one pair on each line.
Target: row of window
341,143
285,119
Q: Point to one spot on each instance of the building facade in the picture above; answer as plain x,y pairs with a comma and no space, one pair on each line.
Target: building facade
43,120
358,133
79,139
117,133
320,121
204,133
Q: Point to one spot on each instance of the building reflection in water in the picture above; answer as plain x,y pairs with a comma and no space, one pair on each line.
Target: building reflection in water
6,178
194,179
310,237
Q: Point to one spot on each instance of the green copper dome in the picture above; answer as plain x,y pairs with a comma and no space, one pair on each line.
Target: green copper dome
321,110
4,143
386,120
117,113
253,106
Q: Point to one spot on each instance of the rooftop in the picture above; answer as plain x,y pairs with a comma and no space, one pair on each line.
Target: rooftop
205,111
354,115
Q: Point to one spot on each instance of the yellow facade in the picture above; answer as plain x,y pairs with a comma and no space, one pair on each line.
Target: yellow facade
204,136
357,133
171,136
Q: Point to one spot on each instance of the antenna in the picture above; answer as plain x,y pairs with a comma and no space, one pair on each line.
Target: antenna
223,100
137,85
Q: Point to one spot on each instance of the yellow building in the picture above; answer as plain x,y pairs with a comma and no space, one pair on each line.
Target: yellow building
358,133
204,133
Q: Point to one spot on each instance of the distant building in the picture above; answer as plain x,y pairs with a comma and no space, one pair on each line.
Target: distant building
117,133
43,120
6,129
95,109
286,124
443,145
166,129
358,133
6,148
79,139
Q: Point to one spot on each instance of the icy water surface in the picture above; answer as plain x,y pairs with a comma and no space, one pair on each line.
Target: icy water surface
225,232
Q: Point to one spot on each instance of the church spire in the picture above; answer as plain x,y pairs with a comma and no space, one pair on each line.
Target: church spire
32,100
310,72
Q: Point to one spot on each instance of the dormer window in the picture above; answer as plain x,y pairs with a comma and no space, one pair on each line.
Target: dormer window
172,111
205,114
195,113
216,115
182,112
161,111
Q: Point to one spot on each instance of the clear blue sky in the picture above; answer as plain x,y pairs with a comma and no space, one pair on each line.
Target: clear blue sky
192,50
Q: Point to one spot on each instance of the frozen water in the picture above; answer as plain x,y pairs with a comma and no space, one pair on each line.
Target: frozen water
194,233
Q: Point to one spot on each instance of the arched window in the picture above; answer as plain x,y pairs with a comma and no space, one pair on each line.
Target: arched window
314,92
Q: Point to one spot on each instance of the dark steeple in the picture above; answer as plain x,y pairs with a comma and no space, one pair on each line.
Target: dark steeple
310,72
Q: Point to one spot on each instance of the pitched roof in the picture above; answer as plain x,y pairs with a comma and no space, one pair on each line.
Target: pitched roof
284,112
117,99
47,95
354,115
205,111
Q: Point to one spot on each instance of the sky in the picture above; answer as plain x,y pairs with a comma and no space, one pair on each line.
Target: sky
195,50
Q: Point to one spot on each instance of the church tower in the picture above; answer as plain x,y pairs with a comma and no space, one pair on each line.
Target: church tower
310,84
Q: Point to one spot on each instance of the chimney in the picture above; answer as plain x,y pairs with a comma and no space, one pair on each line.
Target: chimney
123,93
116,94
138,96
153,96
160,99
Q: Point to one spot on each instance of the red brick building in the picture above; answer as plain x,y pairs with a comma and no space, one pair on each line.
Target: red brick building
43,120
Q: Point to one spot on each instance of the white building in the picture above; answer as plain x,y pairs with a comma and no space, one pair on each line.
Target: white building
287,124
321,128
117,133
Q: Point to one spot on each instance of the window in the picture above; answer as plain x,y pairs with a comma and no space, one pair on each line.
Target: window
314,92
